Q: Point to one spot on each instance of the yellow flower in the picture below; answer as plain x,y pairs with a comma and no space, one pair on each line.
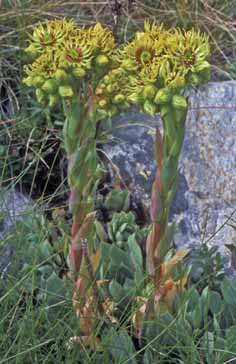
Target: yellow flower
50,35
75,54
187,49
101,40
156,32
175,79
152,28
44,67
141,52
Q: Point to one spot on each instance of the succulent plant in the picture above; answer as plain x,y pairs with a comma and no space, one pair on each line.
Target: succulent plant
47,257
124,274
80,68
121,227
118,200
208,266
40,259
201,325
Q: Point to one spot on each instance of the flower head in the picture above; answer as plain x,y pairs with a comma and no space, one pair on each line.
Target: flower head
101,40
49,35
43,67
187,49
75,55
139,53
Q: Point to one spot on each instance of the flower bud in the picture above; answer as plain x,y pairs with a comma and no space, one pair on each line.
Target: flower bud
106,79
149,92
98,91
194,79
79,72
204,71
129,65
110,89
101,114
124,105
102,103
150,108
113,110
53,100
65,91
101,60
28,81
49,86
202,67
179,102
118,99
32,51
61,75
40,95
163,96
37,81
135,99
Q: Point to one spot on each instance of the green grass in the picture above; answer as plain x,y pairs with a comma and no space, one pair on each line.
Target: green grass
31,328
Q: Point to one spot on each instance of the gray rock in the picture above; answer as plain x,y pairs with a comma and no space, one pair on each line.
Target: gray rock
205,203
12,206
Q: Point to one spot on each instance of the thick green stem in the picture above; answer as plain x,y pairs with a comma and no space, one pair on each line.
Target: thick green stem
80,142
168,150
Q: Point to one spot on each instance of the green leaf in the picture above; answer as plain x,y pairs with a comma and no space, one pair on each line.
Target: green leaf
116,290
208,347
136,253
54,289
118,257
118,200
100,231
231,334
217,327
215,302
46,250
197,317
168,171
228,291
194,299
120,346
232,248
167,241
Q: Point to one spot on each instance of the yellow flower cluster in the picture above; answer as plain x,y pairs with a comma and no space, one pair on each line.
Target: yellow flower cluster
148,71
63,54
111,93
157,64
